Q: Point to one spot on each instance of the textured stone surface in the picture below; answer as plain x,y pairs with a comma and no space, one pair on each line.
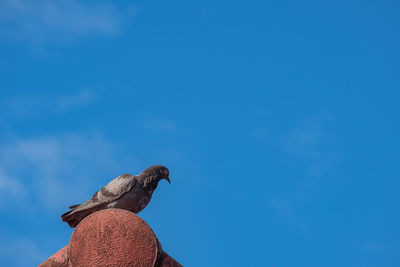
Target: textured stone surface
113,238
59,259
168,261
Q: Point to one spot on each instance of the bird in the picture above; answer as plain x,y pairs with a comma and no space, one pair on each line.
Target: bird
129,192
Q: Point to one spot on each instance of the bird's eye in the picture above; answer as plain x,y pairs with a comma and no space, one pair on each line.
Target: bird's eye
166,172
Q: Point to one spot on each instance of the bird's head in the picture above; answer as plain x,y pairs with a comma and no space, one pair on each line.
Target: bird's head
152,175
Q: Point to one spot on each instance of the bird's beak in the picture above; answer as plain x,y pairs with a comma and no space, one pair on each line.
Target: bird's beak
167,178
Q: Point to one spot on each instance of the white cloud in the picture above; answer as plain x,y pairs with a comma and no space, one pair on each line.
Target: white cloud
21,252
80,99
286,210
10,188
53,20
306,140
35,104
311,143
262,135
58,170
372,247
160,124
284,207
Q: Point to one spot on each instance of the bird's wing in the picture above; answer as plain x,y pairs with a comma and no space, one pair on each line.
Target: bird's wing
114,190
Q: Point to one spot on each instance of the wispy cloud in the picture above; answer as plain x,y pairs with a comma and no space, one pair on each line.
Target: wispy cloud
160,124
284,207
57,169
48,21
10,188
311,143
306,141
80,99
286,210
20,252
30,105
372,247
262,135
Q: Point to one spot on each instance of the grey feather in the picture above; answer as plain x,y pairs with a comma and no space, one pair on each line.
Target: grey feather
130,192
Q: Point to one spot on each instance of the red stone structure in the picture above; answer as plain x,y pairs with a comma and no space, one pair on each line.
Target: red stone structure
112,237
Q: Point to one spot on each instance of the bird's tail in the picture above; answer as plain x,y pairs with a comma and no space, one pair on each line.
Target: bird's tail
73,217
79,212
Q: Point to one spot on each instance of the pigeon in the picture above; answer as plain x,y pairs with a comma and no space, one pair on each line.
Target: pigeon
129,192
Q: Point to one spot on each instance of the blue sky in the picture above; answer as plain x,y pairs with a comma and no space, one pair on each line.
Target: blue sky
279,121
